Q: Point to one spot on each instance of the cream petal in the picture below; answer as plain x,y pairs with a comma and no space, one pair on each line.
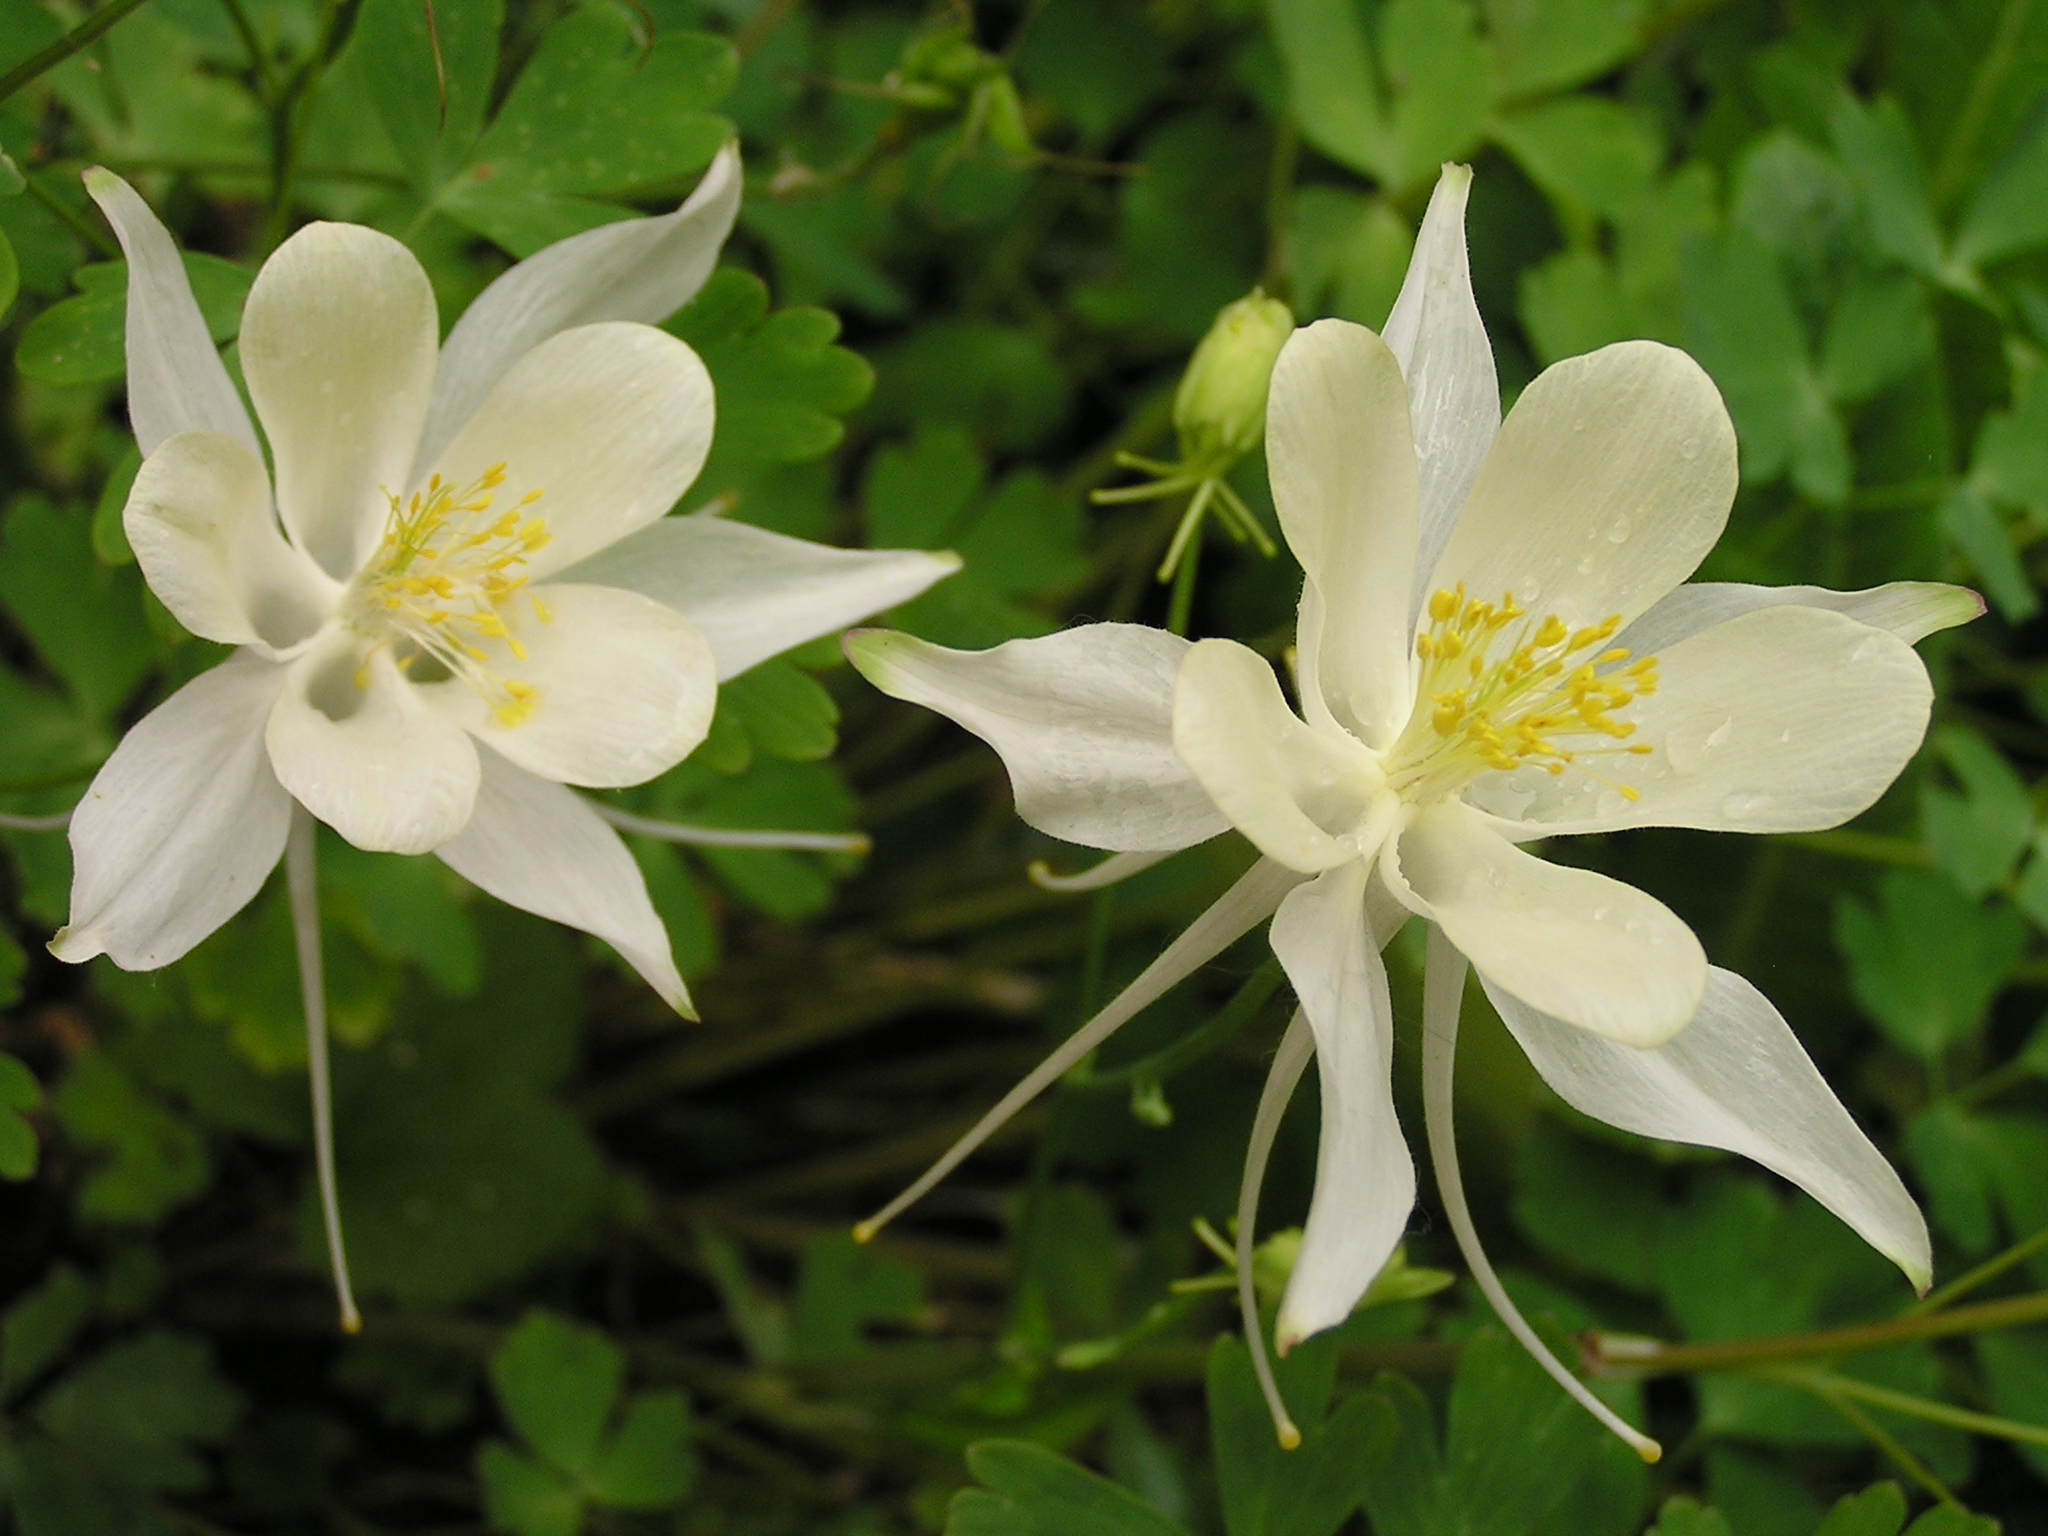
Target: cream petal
1609,482
541,848
198,519
176,380
1082,719
622,687
638,269
1579,946
1365,1179
1342,462
608,423
337,345
1309,799
1736,1078
1781,719
753,593
1912,610
357,745
1436,335
182,824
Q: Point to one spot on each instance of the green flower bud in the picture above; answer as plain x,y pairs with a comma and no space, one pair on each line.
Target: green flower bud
1220,408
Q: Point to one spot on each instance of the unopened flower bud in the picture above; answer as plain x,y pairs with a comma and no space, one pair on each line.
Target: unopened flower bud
1220,408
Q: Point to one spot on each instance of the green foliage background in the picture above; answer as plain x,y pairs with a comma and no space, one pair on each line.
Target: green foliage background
605,1254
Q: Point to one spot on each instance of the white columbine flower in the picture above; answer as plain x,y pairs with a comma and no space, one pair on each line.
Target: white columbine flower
454,591
1494,647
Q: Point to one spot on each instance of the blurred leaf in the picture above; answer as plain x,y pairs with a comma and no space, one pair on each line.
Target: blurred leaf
432,112
1978,834
997,382
1540,45
842,1285
1590,1207
649,1463
1030,1491
1349,254
1099,64
525,1497
2015,1364
1878,1510
1968,519
557,1382
85,619
1926,964
1876,144
19,1091
1267,1491
1332,85
2009,214
404,909
40,1326
153,1160
1949,1156
1585,151
1573,303
784,711
1682,1516
139,1410
1443,87
1878,331
81,340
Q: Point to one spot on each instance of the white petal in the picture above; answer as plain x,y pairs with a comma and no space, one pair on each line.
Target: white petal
1306,797
1736,1078
357,745
1342,463
640,269
1586,949
199,522
337,345
755,593
1365,1179
182,824
541,848
1912,610
1779,720
1609,482
176,380
1083,721
1437,337
608,423
623,687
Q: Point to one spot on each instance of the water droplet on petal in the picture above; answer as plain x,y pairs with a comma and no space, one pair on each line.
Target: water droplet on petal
1528,591
1618,531
1586,566
1689,448
1867,647
1785,735
1610,802
1720,734
1745,805
1578,423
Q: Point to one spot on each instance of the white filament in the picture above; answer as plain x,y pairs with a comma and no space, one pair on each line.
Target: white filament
1297,1046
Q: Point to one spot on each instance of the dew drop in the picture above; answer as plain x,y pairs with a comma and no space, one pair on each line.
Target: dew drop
1578,424
1611,802
1602,912
1867,647
1586,565
1618,531
1690,448
1718,737
1743,805
1785,735
1528,591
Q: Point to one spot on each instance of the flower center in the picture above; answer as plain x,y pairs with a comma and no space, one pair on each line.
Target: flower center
1501,690
445,570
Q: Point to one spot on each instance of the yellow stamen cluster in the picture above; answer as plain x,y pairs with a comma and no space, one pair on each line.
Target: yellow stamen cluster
1501,690
443,573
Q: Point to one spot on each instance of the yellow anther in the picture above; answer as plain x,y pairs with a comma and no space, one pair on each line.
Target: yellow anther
1442,605
1550,631
1607,658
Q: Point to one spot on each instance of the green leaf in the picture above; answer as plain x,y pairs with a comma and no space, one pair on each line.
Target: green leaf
2015,1364
1540,45
1926,964
40,1326
1878,1510
1951,1520
10,269
1978,834
649,1463
557,1382
1589,153
85,618
1682,1516
841,1286
1431,48
2009,214
1267,1491
1949,1154
997,382
81,340
1573,303
523,1496
19,1090
404,909
785,712
431,115
13,966
1099,64
1030,1491
916,495
153,1160
1590,1207
1349,254
1740,324
1332,85
1977,530
1879,330
593,116
138,1410
1876,144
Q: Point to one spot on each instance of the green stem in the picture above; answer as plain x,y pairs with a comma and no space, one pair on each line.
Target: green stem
1983,86
1991,1085
1230,1019
1989,1270
81,36
1883,1439
97,238
1873,847
1609,1354
1179,610
259,61
1826,1383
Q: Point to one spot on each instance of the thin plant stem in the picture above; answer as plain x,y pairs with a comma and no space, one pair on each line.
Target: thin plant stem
1886,1442
1872,847
727,837
1443,994
56,821
1296,1047
90,233
1181,607
1906,1403
81,36
1990,1269
301,878
1184,534
1232,1017
259,61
